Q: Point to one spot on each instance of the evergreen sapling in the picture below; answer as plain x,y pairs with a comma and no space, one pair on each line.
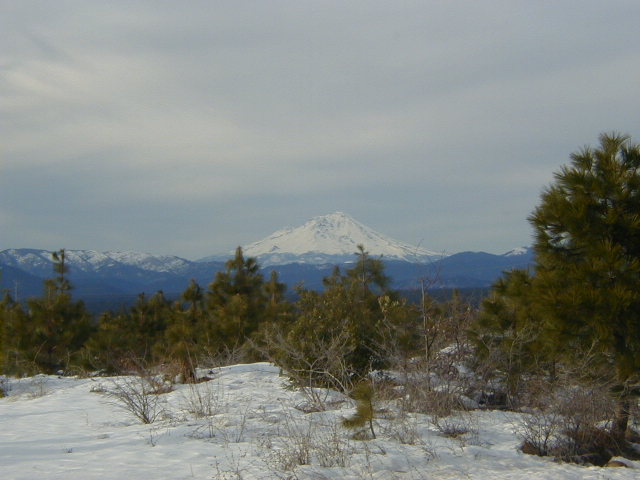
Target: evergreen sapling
363,395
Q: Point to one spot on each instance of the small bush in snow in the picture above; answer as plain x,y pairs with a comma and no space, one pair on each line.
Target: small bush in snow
39,387
574,427
202,399
308,443
320,362
403,428
138,396
459,424
539,432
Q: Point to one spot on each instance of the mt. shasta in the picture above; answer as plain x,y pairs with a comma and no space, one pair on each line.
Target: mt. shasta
332,238
303,254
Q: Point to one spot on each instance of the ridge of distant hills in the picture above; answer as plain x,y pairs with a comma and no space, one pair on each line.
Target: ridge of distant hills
304,254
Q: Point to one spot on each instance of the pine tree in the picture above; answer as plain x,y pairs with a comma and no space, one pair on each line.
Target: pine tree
278,310
6,306
587,242
59,325
237,302
400,333
129,340
17,336
113,345
349,304
61,283
509,334
363,417
362,287
182,333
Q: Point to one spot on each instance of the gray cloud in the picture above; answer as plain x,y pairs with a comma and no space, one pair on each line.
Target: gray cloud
189,128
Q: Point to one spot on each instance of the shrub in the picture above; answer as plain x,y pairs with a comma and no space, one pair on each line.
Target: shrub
575,427
137,395
202,400
319,362
306,444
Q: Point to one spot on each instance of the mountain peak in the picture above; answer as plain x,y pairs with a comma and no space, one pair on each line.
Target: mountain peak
327,238
518,251
334,217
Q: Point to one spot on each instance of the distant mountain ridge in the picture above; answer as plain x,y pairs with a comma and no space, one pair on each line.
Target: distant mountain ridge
304,254
91,261
95,274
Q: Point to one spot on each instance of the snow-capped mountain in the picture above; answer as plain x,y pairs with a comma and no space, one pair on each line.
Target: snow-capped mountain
96,275
331,238
88,261
303,254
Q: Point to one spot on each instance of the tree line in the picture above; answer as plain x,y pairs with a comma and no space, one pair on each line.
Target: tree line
240,312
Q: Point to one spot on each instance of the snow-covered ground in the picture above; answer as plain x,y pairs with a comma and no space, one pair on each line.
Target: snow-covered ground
245,423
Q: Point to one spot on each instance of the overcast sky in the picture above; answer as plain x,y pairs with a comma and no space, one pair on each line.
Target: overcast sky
192,127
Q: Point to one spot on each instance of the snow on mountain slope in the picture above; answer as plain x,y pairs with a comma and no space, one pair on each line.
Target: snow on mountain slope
333,235
39,261
518,251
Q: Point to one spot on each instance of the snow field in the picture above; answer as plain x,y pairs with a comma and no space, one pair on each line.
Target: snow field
246,423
